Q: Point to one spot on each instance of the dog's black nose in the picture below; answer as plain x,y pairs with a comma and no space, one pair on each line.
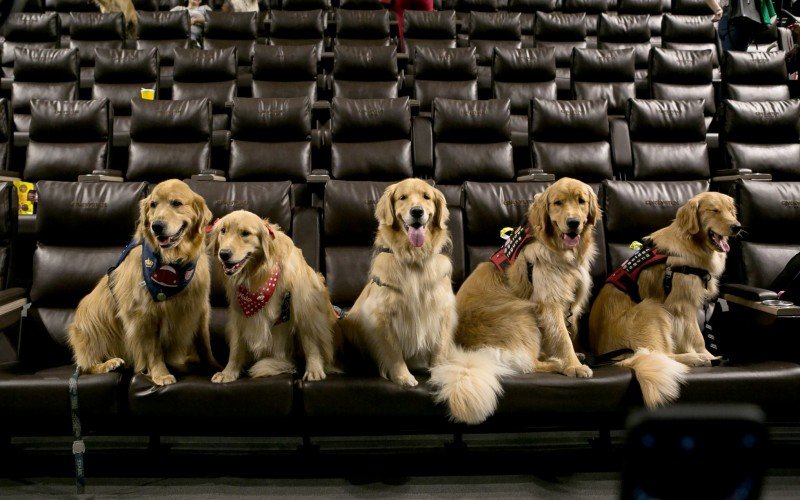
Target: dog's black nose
225,255
158,227
417,212
573,223
736,229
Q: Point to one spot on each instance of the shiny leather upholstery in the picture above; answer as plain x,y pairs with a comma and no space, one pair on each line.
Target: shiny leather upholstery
527,18
28,30
301,5
365,72
754,76
682,32
490,30
270,139
626,31
763,136
232,29
42,74
520,75
119,76
652,8
472,140
5,134
683,74
362,27
592,9
169,139
67,138
446,73
301,27
571,139
93,30
563,32
285,71
604,74
165,31
371,139
209,74
435,29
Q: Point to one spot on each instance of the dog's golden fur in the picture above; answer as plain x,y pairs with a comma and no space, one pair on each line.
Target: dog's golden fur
663,329
510,322
128,12
254,253
410,316
119,323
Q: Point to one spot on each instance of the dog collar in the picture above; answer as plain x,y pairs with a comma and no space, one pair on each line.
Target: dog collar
252,302
162,280
508,253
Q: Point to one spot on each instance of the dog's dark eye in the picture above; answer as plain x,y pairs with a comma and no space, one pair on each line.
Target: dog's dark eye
245,234
426,196
581,201
153,204
176,203
715,210
557,203
222,230
403,197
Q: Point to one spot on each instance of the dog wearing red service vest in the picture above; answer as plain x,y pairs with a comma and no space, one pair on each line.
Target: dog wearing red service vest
274,295
650,303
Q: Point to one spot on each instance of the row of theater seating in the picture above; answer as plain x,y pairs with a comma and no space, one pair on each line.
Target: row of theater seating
73,251
378,139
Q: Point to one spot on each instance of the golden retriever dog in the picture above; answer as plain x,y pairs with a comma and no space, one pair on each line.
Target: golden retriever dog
406,314
661,326
128,12
524,317
152,309
275,298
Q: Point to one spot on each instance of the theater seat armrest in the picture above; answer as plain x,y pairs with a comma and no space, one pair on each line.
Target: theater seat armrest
10,175
747,292
414,105
402,61
305,234
321,112
12,302
102,176
210,175
423,142
770,307
534,175
21,139
6,84
318,176
621,146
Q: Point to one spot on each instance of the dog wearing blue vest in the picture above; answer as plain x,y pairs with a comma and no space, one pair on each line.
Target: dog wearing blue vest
275,299
650,303
152,309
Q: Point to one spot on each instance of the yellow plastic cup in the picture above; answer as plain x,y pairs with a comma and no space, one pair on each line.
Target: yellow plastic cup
148,94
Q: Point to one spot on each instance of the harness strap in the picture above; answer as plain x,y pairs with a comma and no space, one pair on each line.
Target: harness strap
605,359
378,282
78,446
704,275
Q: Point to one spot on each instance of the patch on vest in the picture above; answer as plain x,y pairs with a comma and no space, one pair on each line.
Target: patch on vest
626,276
509,252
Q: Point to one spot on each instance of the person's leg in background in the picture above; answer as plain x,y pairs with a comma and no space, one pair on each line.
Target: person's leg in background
734,35
400,6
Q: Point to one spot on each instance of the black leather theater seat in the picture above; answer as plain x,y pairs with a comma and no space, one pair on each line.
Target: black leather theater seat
285,71
28,30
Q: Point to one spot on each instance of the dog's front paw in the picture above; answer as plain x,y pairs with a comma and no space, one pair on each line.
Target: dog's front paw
404,379
224,377
579,371
313,375
113,364
167,379
697,359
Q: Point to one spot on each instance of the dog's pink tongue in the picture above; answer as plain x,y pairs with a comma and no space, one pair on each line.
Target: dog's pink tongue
724,245
416,235
571,241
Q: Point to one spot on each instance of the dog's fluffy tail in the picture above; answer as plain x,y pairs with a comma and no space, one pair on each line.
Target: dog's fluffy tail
659,376
469,382
268,367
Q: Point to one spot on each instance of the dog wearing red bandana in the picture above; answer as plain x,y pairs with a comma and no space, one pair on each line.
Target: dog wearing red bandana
274,295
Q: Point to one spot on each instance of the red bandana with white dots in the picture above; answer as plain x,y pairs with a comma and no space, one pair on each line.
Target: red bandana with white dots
252,302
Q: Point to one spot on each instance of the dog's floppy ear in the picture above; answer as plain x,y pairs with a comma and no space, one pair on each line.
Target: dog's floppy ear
202,214
267,237
594,207
442,214
144,221
688,217
384,210
537,213
212,237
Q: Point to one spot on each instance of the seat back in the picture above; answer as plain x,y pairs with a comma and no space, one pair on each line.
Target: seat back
365,72
360,4
9,207
5,133
67,138
232,30
625,31
561,31
652,8
120,74
93,30
446,73
285,71
592,9
754,76
165,31
270,139
571,139
763,136
766,210
527,18
634,209
362,27
668,140
490,30
304,5
520,75
207,74
302,27
42,74
169,139
435,29
691,8
65,8
472,141
682,74
598,74
81,230
29,30
681,32
371,139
